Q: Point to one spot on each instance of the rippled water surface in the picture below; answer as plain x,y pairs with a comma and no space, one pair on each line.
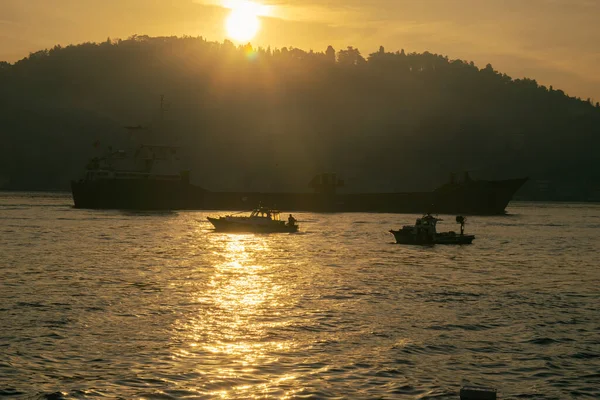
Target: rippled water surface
158,306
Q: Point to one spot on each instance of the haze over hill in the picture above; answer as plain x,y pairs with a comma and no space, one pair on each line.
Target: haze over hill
264,119
554,41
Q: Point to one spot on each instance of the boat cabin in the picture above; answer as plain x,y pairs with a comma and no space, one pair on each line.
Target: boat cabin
427,224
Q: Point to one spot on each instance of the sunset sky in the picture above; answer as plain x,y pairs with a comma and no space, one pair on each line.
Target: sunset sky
556,42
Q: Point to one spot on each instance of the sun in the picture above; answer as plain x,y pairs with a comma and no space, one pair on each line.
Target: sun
243,23
242,26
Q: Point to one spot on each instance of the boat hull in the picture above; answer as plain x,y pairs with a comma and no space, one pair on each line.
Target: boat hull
223,225
403,237
475,198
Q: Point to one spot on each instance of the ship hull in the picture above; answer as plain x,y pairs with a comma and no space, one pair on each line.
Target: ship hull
405,237
136,195
223,225
475,198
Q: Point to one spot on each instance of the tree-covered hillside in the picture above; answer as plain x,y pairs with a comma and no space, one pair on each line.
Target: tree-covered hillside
264,119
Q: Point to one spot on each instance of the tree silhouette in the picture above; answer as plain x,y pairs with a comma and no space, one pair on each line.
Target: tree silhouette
350,56
330,54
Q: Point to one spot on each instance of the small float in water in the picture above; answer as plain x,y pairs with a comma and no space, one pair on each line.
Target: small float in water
424,232
260,220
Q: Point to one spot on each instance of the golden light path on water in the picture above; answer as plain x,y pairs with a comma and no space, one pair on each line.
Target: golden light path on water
238,306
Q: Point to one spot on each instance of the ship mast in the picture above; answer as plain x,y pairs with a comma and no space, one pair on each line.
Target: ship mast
164,107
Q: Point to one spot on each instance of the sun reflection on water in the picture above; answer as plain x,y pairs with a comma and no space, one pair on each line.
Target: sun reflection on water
230,334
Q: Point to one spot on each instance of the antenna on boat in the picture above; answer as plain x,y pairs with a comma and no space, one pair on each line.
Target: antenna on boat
461,220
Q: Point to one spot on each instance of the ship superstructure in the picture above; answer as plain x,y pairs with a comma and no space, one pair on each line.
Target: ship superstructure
146,175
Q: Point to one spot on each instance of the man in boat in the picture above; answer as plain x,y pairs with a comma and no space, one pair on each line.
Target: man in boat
291,220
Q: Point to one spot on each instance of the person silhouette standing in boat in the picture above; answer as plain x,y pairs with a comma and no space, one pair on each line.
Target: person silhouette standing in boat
291,220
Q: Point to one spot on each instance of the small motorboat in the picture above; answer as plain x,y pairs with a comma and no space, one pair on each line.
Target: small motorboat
260,220
424,232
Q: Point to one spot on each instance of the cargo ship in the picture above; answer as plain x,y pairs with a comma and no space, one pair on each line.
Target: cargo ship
149,177
146,180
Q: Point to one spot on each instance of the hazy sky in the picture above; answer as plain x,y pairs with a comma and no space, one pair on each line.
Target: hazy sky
556,42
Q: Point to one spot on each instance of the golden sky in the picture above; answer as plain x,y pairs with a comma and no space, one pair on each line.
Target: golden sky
556,42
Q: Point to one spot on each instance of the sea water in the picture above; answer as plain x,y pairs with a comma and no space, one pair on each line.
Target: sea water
120,304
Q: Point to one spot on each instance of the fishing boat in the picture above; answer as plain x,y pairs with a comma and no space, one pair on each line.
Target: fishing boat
424,232
260,220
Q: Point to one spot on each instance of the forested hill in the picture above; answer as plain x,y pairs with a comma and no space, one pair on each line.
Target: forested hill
268,119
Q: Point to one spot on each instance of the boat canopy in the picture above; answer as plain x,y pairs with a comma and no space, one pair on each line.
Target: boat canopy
264,212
